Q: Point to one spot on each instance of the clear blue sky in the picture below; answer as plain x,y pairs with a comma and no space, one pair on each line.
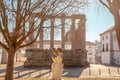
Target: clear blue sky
97,22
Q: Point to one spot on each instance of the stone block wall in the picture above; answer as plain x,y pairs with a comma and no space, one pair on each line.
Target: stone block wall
42,58
4,57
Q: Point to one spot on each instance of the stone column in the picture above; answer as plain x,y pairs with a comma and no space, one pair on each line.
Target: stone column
73,33
41,37
52,33
31,36
80,34
63,33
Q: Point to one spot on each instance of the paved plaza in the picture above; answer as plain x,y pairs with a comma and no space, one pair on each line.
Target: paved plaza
94,71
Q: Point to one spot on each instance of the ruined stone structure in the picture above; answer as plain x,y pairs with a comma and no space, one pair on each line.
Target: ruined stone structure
42,58
78,35
75,36
77,56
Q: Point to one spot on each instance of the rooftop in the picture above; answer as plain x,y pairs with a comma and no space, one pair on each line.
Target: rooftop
90,43
108,30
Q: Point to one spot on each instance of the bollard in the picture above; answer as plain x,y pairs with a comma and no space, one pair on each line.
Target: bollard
39,72
118,70
99,71
109,71
18,74
70,72
29,73
50,73
89,72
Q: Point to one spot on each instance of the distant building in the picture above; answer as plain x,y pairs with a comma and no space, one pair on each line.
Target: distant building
98,52
110,53
57,44
91,48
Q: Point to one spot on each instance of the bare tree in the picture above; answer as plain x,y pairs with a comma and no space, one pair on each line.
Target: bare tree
14,18
114,7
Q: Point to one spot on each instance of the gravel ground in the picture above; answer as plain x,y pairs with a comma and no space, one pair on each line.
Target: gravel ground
68,79
94,72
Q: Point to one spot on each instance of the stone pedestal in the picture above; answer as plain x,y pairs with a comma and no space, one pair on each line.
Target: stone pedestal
57,70
57,66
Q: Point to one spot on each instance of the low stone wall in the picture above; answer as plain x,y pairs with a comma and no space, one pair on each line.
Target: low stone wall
42,58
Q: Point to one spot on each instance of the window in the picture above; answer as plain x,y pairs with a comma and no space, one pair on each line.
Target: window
103,38
90,53
117,61
103,48
89,46
106,37
107,47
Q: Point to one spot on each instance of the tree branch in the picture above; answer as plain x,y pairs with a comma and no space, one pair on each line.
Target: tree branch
4,46
105,5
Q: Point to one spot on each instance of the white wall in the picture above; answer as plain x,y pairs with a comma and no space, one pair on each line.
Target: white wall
115,46
105,41
46,46
68,47
105,57
112,45
91,49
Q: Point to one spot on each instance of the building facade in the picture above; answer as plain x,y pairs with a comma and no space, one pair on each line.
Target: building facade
98,52
110,53
91,52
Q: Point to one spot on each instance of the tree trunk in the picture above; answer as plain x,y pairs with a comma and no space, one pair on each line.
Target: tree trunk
10,65
117,28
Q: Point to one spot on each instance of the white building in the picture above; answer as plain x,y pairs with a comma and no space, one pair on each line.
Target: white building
91,48
110,53
57,44
98,52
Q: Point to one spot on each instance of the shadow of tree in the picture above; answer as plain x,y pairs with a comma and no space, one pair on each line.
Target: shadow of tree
72,72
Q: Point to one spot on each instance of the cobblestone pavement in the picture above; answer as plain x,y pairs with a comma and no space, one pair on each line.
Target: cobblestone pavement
67,79
94,71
